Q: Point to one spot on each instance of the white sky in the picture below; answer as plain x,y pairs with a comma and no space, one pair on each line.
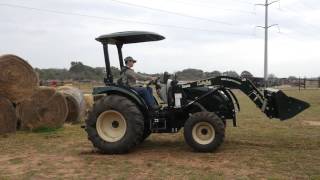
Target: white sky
223,37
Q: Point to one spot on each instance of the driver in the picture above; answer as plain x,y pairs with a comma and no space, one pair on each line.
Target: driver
129,77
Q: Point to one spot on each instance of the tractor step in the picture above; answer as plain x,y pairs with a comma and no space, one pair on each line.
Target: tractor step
157,124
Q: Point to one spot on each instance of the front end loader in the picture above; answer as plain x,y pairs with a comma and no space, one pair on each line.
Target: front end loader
273,102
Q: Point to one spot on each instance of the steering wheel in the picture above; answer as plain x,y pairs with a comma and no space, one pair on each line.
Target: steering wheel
155,82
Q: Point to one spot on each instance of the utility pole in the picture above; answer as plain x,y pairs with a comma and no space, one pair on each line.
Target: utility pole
266,28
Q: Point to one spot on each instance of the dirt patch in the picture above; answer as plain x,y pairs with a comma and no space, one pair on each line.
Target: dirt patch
36,165
312,123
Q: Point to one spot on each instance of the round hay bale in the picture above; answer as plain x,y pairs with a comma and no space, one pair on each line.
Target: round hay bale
18,112
88,98
46,108
75,101
18,80
8,119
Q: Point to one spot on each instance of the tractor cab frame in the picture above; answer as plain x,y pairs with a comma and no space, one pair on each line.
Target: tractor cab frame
119,39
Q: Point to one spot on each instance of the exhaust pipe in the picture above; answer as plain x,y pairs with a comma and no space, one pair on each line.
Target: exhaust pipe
278,105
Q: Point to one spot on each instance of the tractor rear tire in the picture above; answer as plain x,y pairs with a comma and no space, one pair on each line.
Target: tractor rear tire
146,133
204,131
115,125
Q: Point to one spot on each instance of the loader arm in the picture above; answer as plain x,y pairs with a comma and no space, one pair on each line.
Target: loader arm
274,103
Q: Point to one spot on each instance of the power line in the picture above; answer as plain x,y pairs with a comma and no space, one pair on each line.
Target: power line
238,1
292,38
174,13
244,2
307,5
300,29
212,7
118,19
314,27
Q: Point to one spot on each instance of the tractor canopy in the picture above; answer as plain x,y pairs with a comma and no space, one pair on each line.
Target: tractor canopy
119,39
128,37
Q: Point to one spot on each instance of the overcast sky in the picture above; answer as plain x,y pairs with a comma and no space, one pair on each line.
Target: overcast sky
203,34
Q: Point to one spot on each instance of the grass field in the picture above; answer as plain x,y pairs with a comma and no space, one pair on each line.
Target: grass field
259,148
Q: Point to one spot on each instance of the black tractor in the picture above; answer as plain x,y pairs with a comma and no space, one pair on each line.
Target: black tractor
120,118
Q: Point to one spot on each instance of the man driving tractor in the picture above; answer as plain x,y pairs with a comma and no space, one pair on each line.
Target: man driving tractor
129,78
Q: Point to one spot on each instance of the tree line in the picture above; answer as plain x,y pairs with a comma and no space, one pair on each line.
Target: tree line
79,71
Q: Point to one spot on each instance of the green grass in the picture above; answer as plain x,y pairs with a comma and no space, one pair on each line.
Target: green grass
46,130
259,148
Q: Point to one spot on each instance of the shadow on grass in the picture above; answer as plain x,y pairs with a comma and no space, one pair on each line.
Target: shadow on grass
148,145
151,146
248,143
47,130
242,144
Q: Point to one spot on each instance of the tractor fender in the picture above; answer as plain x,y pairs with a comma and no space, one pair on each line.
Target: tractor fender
126,92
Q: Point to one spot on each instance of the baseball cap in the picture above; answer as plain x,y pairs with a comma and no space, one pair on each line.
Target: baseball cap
129,58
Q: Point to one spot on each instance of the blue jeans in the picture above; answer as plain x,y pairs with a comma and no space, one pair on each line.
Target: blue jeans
146,94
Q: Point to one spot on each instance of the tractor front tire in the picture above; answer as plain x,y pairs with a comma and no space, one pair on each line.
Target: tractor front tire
115,125
204,131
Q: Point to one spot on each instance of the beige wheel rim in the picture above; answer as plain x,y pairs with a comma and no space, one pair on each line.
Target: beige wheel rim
111,126
203,133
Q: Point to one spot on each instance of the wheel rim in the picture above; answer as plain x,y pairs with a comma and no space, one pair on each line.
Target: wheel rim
203,133
111,126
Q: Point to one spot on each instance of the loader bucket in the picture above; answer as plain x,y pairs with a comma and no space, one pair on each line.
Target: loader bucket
282,106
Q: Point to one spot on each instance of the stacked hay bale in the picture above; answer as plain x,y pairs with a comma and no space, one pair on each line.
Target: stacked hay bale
46,108
76,103
88,98
8,119
23,102
18,81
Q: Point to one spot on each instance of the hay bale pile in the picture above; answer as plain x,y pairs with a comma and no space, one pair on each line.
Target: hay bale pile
18,80
47,108
8,119
76,103
34,107
88,98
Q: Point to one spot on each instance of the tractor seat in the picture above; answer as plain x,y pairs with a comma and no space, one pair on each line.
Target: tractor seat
166,93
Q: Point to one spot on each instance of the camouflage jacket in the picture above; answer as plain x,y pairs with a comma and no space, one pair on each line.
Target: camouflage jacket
129,77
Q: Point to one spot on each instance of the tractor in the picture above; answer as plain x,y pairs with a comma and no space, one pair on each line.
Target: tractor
120,118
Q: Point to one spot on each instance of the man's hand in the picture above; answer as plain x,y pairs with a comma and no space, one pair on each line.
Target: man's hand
152,78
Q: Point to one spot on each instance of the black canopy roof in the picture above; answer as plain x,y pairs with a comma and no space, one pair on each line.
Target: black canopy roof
128,37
